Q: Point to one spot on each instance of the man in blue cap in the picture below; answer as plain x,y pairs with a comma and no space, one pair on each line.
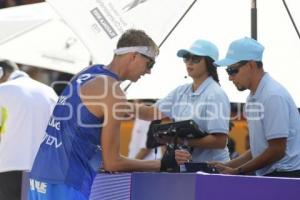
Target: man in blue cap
274,138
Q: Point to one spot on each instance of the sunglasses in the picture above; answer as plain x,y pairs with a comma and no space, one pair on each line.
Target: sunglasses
192,59
151,62
232,70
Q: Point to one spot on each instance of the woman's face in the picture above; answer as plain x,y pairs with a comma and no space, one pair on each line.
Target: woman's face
195,66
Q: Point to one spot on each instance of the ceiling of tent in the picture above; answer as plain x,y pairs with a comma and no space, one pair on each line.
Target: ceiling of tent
35,35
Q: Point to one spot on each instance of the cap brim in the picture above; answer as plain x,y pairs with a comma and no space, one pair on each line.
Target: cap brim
225,62
182,52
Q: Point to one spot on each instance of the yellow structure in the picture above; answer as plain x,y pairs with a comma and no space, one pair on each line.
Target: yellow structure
238,133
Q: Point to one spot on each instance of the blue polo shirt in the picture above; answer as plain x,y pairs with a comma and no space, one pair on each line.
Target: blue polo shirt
271,113
208,106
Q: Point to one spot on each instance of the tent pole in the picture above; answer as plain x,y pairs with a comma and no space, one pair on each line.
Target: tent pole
291,17
253,20
184,14
167,36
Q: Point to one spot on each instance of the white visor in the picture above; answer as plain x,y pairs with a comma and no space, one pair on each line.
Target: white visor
150,52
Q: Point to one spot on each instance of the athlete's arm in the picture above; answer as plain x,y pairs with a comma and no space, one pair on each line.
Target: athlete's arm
112,107
148,113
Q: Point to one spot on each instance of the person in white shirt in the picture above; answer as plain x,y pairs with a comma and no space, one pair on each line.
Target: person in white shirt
137,147
25,109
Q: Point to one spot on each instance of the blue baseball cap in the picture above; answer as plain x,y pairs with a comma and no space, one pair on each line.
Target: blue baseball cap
242,49
201,48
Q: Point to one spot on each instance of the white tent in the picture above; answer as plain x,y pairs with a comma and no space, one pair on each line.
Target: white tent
99,23
215,20
35,35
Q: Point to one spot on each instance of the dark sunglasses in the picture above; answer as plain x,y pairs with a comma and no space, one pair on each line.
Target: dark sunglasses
234,69
189,58
151,62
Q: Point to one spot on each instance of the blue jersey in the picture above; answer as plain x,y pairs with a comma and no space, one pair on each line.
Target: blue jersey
46,191
70,152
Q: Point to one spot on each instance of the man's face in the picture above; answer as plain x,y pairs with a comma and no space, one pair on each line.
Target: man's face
238,74
143,65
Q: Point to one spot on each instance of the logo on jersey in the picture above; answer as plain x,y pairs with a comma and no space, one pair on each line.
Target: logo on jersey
83,77
62,100
54,123
52,141
38,186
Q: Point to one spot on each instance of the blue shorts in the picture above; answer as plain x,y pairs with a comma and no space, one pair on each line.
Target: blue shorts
46,191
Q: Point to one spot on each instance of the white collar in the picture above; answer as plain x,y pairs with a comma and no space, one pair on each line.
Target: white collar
17,74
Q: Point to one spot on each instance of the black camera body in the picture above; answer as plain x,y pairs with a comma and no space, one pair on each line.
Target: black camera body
187,129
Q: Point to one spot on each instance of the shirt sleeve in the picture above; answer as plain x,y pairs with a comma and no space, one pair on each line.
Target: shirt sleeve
218,114
165,105
276,117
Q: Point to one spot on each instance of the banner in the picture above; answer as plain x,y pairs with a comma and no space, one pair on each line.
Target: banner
99,23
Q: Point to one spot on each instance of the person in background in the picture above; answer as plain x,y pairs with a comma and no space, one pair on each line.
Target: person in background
25,109
137,146
61,81
203,101
274,138
86,121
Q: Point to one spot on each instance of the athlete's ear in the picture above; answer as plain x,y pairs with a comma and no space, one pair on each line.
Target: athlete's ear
134,54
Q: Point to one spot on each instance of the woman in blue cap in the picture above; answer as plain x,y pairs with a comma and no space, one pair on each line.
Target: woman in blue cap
203,101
